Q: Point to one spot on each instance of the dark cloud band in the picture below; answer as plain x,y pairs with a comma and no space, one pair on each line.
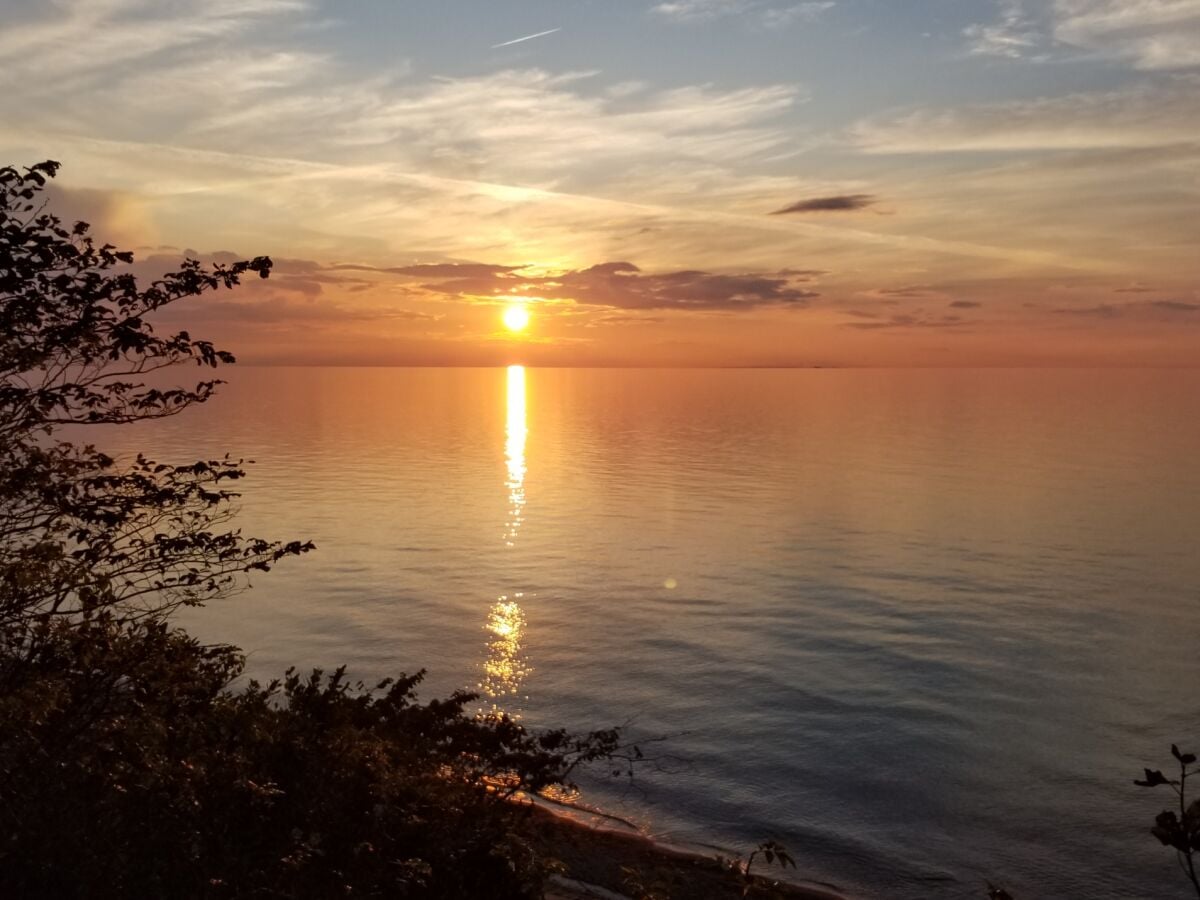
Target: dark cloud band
837,203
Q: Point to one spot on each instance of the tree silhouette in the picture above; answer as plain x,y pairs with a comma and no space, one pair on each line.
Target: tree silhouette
78,534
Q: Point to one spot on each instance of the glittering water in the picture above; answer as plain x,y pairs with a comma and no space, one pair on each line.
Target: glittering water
921,626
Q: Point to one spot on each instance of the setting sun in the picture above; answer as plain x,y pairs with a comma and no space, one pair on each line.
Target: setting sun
516,318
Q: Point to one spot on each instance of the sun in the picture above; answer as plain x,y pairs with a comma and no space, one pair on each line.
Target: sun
516,318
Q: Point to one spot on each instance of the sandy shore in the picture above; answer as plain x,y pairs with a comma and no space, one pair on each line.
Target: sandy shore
597,861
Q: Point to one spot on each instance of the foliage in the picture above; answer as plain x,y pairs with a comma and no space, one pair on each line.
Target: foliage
131,769
640,887
79,534
771,852
1180,831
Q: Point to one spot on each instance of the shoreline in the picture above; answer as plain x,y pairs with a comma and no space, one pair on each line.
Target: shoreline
603,859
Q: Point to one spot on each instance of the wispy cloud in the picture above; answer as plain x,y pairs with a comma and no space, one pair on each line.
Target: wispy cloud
1152,114
622,285
1147,34
1151,34
770,15
783,16
84,35
701,10
1174,310
1013,36
435,270
519,126
909,322
528,37
1179,306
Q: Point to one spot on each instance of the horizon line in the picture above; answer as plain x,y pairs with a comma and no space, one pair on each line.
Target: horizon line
778,367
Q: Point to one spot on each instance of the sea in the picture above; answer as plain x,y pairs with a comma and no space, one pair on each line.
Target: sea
922,627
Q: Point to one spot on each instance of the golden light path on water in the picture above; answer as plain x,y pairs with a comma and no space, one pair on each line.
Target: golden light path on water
514,453
505,668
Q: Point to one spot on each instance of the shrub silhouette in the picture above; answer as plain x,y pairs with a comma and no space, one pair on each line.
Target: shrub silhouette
178,786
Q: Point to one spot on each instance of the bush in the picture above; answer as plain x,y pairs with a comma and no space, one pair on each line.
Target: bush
132,769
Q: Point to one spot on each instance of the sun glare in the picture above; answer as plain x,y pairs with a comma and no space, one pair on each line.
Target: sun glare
516,318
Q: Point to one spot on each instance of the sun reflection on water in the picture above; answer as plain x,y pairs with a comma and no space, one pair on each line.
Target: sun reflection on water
514,453
505,667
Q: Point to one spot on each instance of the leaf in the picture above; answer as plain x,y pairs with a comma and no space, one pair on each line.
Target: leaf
1153,779
1184,758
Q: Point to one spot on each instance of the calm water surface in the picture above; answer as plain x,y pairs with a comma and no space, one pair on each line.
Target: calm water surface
923,627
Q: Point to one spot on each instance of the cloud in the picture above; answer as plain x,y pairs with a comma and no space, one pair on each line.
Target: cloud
520,126
908,322
433,270
1012,37
964,304
1103,311
295,292
248,79
800,12
622,285
769,15
626,320
1150,114
908,291
293,301
1146,34
1142,310
700,10
277,310
1150,34
837,203
80,36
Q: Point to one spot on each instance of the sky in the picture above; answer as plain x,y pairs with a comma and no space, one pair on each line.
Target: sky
689,182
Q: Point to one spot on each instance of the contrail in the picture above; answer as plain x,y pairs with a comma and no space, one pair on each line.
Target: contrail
528,37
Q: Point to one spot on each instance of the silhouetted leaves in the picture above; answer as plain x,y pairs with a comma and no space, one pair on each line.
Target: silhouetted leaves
133,769
1178,830
77,532
1153,779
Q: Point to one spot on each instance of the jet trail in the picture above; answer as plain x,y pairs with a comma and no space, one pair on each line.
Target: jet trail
528,37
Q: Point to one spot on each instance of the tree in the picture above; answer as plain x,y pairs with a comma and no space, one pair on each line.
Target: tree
78,534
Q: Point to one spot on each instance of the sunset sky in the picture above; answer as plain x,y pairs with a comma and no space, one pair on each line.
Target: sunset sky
693,182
